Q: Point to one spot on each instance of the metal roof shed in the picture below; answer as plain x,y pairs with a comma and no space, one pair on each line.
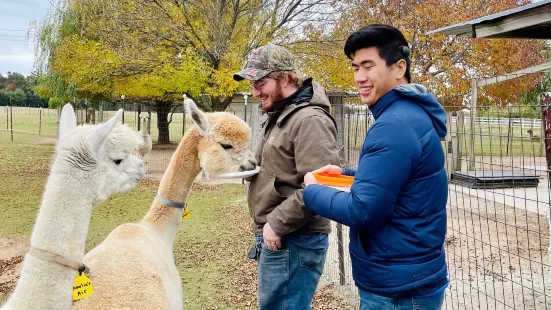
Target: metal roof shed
532,21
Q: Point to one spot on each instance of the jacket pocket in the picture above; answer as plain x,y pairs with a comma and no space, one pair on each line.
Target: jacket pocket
263,196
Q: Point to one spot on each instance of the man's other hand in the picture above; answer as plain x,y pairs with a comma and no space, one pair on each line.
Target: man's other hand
271,240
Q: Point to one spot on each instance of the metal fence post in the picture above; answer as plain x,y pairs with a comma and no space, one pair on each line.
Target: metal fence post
340,248
255,131
337,103
546,124
448,148
474,96
460,130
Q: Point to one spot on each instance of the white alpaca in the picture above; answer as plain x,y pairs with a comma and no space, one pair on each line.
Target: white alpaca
145,148
133,268
90,164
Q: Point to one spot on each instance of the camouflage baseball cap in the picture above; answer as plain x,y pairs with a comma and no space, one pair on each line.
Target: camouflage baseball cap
266,59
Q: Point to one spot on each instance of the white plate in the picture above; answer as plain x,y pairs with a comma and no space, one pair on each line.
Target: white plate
242,174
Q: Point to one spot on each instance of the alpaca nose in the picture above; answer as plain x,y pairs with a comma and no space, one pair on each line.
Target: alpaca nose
249,166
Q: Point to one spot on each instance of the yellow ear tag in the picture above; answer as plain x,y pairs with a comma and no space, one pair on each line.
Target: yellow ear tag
83,287
187,214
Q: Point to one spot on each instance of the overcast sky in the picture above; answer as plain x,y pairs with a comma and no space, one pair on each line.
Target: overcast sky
16,53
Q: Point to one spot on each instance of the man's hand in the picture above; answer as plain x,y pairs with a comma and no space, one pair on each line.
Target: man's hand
331,169
271,239
309,178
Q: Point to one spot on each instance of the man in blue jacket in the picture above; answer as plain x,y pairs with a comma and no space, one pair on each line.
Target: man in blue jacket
396,207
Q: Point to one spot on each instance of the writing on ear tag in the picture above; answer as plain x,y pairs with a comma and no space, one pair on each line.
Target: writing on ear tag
83,287
187,214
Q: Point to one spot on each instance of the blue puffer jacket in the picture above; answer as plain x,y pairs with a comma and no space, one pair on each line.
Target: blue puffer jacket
396,209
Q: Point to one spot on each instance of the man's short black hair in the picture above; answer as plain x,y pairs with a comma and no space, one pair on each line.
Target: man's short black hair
390,42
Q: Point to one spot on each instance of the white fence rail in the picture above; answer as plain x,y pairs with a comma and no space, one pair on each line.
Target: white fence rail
516,122
488,121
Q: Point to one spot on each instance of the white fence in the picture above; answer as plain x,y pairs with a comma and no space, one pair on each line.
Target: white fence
516,122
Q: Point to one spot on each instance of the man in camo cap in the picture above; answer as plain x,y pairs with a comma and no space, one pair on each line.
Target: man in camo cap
266,59
298,135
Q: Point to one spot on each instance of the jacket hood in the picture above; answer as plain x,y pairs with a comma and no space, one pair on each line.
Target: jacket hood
428,102
310,94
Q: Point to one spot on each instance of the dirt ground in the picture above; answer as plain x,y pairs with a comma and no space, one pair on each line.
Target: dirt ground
12,251
497,256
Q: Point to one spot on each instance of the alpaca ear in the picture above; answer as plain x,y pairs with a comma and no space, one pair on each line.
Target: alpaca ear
68,120
198,116
99,135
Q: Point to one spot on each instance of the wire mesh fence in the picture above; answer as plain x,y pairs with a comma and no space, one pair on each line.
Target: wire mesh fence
498,208
497,243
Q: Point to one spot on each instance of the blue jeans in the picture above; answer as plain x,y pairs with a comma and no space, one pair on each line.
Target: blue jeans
370,301
288,277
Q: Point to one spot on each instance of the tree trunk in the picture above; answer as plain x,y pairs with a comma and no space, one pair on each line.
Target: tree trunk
220,103
162,108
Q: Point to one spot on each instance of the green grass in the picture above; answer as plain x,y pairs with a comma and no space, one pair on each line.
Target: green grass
209,246
500,141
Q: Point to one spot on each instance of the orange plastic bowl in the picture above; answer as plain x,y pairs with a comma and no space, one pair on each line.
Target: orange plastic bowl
336,180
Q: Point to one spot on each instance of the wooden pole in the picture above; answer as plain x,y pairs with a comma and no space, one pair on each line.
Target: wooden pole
39,120
11,121
57,120
100,113
184,115
138,120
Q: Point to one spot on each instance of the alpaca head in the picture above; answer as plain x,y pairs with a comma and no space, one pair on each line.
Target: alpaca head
103,155
224,143
144,116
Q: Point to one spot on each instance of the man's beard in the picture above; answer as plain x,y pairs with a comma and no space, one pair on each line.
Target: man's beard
276,96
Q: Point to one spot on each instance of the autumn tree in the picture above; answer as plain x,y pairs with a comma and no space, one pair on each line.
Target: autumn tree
445,64
15,96
158,50
17,89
